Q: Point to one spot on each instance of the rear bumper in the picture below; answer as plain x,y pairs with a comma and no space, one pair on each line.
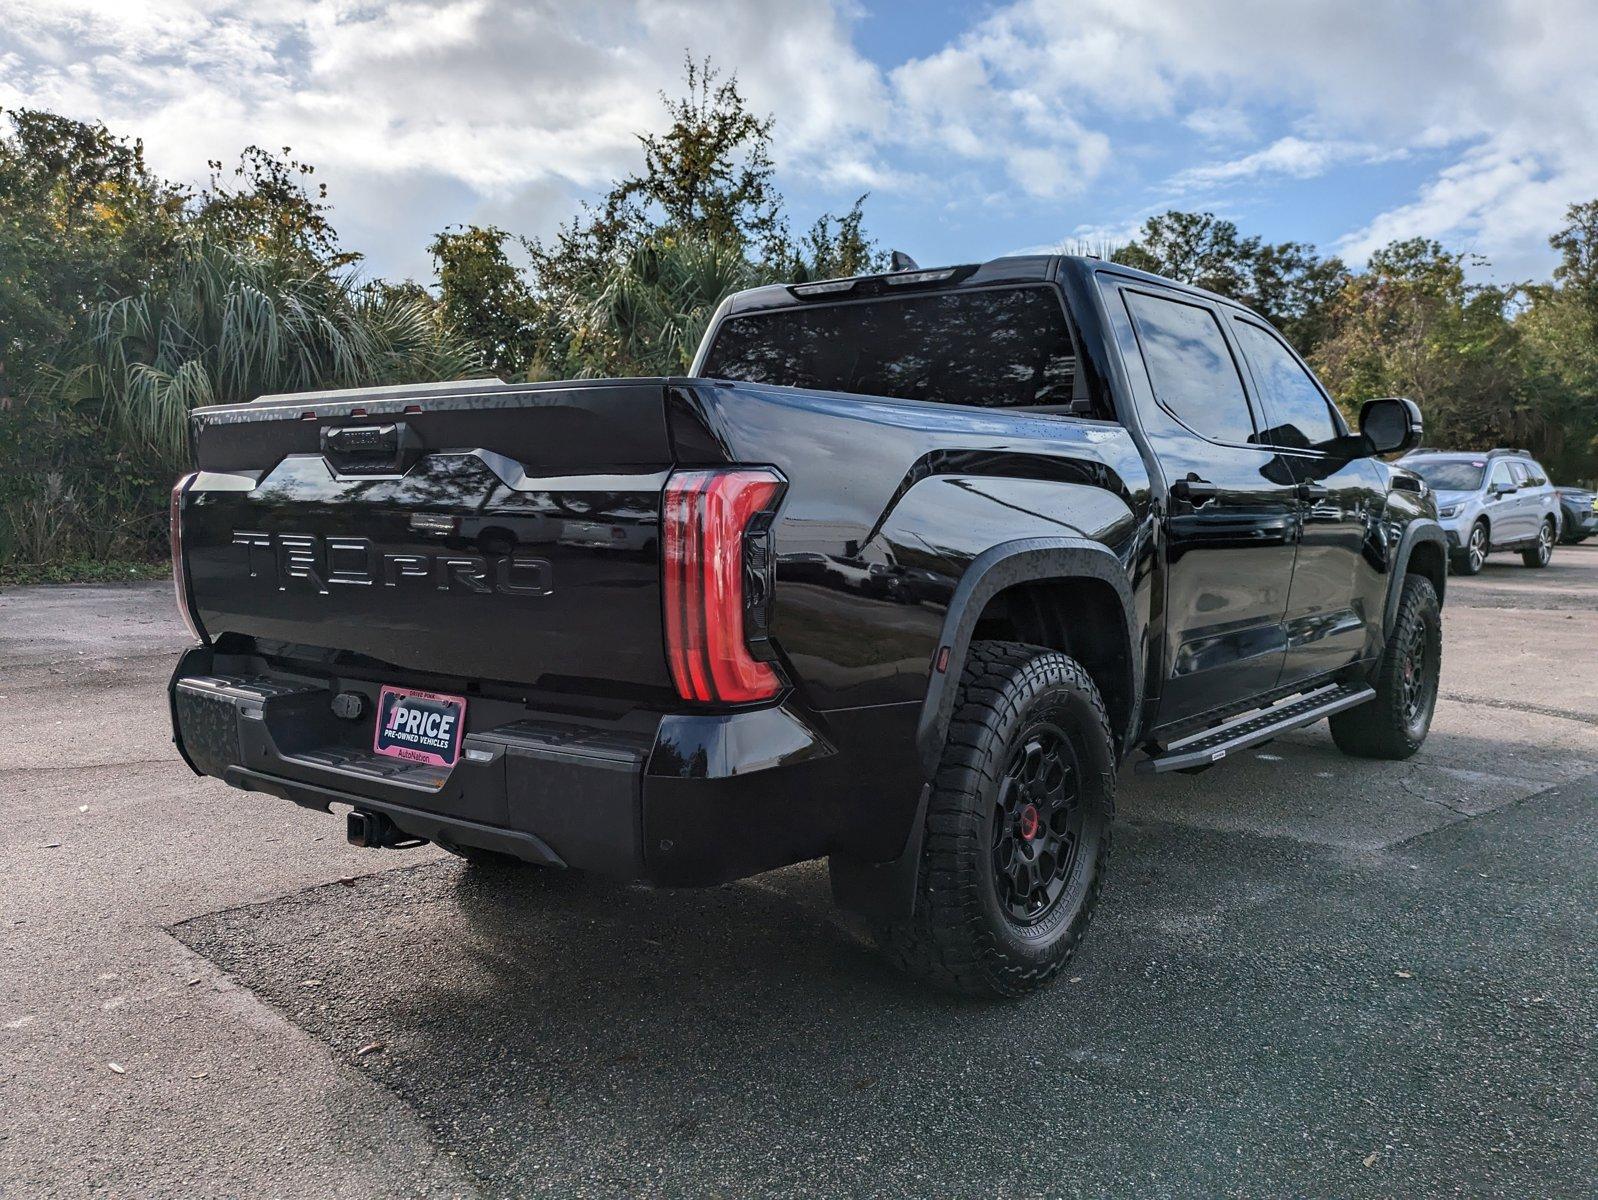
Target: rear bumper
669,798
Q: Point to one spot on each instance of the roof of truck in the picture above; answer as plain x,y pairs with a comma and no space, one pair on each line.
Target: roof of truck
1017,268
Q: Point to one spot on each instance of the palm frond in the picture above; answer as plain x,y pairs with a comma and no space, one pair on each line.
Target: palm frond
227,325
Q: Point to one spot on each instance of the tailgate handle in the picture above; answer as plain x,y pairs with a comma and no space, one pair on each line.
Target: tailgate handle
371,449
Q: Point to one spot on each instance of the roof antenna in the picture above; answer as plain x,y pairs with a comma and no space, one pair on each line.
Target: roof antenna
900,261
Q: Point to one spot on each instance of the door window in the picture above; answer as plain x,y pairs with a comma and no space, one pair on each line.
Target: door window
1517,472
1190,367
1298,412
1535,475
1500,476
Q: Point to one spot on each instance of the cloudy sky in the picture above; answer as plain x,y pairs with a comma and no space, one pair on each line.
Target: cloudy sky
978,129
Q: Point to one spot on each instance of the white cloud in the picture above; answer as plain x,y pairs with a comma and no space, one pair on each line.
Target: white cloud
1291,157
504,105
1505,90
1221,123
422,112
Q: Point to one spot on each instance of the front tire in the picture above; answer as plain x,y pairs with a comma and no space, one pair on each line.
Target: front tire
1540,554
1018,827
1394,724
1473,555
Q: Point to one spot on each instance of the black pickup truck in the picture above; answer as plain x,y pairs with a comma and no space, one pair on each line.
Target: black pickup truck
900,575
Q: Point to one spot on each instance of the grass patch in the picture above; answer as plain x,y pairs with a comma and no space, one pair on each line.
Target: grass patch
84,570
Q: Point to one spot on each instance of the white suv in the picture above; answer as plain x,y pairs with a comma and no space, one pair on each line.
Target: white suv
1500,500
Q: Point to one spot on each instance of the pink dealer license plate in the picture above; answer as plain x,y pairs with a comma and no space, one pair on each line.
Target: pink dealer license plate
423,727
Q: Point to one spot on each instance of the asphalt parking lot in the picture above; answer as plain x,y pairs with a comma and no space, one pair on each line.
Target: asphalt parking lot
1310,975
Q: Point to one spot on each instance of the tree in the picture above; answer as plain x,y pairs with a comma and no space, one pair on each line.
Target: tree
646,313
1560,330
125,300
1287,283
1195,248
81,218
269,208
835,246
708,177
1412,325
487,299
229,324
703,210
1577,244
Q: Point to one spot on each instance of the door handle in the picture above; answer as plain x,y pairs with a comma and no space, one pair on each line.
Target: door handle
1313,491
1194,490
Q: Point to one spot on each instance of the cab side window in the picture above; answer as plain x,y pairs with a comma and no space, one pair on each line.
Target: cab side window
1191,370
1297,411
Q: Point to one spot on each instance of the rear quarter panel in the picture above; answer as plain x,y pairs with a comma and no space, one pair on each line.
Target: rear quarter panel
888,503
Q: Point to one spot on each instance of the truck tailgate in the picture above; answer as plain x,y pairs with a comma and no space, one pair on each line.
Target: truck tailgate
496,532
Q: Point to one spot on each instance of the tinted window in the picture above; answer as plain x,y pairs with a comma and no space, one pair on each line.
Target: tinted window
1535,475
1190,368
1449,474
994,349
1299,415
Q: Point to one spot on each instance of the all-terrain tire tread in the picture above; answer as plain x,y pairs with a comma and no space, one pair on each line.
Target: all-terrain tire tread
1378,729
947,942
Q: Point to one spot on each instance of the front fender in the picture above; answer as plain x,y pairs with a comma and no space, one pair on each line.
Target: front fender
1419,530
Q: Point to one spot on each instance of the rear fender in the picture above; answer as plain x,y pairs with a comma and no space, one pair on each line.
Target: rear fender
1026,560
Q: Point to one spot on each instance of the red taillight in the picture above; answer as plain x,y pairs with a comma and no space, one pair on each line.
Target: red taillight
180,576
704,519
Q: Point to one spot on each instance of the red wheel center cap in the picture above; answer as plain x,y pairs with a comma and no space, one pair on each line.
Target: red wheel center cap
1029,822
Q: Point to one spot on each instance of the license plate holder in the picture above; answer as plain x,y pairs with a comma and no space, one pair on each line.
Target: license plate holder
419,727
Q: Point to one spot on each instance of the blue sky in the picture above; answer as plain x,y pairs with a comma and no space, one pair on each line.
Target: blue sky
978,129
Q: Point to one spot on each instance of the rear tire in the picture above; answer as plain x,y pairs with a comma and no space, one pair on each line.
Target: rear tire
1543,552
1394,724
1469,559
1017,831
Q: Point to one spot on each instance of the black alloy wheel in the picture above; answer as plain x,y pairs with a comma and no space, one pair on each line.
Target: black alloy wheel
1037,824
1018,824
1395,721
1417,679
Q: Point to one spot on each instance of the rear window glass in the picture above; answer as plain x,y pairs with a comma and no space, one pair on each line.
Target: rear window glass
1449,474
992,349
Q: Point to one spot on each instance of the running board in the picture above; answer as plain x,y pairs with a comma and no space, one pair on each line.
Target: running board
1211,745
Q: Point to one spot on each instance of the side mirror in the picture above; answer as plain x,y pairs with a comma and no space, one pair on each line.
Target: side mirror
1503,489
1390,425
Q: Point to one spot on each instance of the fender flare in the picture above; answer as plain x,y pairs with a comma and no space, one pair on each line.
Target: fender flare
1421,529
1025,560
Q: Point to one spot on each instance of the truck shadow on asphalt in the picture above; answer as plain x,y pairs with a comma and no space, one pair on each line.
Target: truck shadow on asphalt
1244,1009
